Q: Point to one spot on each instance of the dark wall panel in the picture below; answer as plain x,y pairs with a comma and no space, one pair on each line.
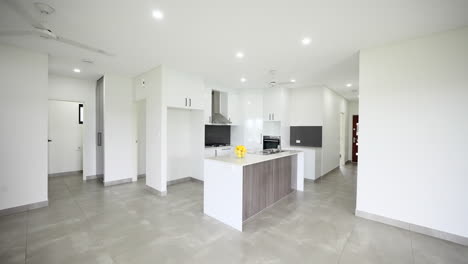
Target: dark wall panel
217,134
306,136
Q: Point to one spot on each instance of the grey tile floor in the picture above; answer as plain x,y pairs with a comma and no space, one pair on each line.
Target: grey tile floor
87,223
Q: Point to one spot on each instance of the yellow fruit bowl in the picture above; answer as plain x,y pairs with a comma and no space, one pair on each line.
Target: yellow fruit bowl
240,151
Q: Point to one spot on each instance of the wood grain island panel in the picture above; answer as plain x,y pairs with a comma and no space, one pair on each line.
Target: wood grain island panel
265,183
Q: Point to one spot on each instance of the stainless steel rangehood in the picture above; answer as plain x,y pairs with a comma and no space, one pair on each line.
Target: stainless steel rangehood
219,101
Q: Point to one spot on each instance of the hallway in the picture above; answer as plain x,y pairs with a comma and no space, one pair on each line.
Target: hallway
87,223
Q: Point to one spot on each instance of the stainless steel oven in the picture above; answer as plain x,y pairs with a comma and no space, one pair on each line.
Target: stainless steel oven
271,142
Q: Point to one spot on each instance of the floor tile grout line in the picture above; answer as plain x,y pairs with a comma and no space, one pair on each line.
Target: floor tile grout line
88,225
346,243
412,248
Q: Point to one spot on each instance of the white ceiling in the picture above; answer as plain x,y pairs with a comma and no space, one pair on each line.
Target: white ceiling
203,36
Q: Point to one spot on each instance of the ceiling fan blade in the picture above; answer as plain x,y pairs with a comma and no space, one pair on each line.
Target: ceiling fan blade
19,9
82,46
13,33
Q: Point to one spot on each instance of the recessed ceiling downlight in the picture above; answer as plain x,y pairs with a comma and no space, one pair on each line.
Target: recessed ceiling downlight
158,14
349,84
243,79
293,80
306,41
77,70
240,54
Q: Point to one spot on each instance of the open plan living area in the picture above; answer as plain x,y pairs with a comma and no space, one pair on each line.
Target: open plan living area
237,132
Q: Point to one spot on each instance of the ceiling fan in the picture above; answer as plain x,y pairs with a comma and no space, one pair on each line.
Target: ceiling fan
41,30
274,82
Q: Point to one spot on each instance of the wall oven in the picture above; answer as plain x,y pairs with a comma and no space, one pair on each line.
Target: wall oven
271,142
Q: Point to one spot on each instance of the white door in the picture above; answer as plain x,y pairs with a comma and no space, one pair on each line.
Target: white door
65,137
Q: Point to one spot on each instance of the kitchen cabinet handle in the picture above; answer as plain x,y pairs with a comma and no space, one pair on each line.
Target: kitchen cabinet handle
190,102
269,116
185,101
99,138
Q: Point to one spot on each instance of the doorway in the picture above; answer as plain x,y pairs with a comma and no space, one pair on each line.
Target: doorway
355,144
342,139
65,140
141,139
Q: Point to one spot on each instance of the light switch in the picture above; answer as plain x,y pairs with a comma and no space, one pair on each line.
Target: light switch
298,141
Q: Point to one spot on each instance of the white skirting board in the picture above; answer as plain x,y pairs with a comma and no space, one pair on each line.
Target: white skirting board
23,208
414,228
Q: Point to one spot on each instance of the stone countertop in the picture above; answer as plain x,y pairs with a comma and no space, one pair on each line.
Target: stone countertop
250,159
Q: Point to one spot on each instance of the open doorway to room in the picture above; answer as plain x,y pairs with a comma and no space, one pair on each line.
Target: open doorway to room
141,139
65,140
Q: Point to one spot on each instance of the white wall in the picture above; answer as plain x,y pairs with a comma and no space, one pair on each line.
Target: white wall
141,135
70,89
306,106
185,139
152,92
413,132
353,109
119,129
319,106
65,132
251,128
23,140
178,142
333,105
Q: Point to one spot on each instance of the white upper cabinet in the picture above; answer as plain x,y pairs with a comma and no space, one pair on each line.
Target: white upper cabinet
183,90
275,104
234,108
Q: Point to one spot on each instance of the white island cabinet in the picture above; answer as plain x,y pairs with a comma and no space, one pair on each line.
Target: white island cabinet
235,189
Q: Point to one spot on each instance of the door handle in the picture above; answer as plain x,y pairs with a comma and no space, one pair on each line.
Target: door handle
99,138
273,116
49,140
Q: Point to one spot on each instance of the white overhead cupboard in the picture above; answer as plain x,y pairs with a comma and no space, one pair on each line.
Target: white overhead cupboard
234,108
183,90
275,104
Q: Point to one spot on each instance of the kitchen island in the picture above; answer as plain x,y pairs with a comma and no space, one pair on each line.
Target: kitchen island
235,189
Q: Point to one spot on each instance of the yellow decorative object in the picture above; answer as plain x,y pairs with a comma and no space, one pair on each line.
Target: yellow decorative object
240,151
